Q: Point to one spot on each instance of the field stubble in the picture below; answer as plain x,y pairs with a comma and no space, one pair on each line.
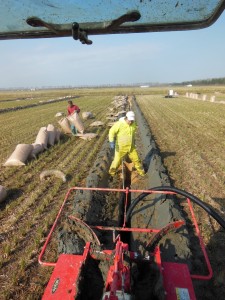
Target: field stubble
191,138
189,134
33,204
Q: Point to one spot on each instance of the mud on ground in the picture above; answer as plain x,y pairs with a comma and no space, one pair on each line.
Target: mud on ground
98,208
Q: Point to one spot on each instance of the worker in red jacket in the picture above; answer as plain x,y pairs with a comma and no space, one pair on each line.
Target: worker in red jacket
71,109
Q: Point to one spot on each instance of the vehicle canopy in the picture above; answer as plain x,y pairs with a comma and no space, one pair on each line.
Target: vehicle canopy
54,18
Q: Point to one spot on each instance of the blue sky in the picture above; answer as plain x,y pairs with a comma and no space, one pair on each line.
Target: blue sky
161,57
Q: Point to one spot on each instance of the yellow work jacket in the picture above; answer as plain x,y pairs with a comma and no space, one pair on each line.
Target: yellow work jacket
124,135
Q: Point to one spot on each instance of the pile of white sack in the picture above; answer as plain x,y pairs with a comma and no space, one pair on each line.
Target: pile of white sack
87,115
46,137
72,119
120,105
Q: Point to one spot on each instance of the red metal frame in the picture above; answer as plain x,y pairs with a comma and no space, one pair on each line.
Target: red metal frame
127,191
201,277
88,227
119,275
66,275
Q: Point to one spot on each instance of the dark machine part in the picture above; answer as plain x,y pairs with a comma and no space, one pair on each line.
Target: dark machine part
78,33
194,199
118,266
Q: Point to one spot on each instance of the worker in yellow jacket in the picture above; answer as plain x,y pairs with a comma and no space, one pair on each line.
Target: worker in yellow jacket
122,140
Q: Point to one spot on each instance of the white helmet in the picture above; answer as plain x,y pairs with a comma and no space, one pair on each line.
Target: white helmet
130,116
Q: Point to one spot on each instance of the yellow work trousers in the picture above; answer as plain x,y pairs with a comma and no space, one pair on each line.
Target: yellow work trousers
133,155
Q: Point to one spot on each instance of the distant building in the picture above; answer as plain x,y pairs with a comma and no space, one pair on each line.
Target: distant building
170,94
144,86
189,85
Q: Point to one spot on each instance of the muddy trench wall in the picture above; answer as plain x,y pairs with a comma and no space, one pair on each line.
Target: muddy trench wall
150,213
163,209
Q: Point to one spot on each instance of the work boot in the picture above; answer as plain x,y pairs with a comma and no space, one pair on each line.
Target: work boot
112,172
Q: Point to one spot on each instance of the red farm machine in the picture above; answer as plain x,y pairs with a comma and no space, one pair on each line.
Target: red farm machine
135,257
110,268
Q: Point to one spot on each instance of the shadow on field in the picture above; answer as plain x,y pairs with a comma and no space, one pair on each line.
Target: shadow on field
215,248
214,288
167,154
69,177
12,194
221,201
65,138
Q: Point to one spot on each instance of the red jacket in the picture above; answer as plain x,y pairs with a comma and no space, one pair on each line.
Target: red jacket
72,109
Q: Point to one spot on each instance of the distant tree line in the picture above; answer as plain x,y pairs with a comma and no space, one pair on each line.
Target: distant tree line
212,81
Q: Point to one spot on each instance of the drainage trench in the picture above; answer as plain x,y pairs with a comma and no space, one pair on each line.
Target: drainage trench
106,209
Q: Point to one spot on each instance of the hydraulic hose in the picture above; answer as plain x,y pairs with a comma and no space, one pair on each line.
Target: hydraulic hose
199,202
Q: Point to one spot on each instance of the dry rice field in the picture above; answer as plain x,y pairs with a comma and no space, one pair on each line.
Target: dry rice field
190,135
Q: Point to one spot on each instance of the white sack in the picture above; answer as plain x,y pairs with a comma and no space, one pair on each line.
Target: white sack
37,148
58,135
42,137
87,136
96,124
65,125
76,121
59,114
87,115
19,155
51,134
